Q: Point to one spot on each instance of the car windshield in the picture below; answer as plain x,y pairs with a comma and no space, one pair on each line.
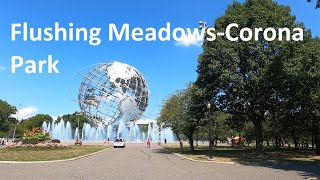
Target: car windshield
118,140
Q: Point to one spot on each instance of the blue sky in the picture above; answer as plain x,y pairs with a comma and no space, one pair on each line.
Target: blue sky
166,66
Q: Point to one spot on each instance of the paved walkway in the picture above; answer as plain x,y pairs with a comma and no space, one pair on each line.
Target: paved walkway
136,161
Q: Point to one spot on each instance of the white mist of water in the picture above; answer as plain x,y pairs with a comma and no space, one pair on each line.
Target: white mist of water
131,133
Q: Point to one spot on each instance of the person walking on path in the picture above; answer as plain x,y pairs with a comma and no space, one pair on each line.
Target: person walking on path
165,140
148,143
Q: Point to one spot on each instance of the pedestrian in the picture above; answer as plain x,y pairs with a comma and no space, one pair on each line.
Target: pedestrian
148,143
108,141
165,140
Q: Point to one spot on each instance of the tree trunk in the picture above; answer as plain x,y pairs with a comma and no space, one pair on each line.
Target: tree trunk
181,144
295,140
312,141
268,143
191,143
259,137
316,133
197,139
277,142
216,142
282,143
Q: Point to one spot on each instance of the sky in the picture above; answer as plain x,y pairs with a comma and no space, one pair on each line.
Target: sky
166,66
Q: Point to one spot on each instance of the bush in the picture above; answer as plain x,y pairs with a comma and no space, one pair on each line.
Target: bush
34,136
47,145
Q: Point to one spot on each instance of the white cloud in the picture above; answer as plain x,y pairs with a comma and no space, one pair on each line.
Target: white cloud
189,40
26,112
2,68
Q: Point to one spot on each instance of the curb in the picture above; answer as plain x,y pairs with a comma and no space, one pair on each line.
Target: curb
213,161
53,161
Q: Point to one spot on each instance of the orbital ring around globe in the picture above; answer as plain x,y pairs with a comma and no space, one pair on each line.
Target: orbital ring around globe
111,92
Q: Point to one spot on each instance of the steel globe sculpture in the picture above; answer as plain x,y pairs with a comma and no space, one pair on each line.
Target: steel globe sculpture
111,92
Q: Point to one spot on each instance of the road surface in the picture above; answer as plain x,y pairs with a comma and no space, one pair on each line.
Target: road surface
136,161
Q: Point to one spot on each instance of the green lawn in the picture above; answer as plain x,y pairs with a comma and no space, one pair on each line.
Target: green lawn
36,154
248,155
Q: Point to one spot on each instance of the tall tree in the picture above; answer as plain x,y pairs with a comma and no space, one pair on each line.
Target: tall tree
73,119
182,112
6,110
171,115
304,91
247,73
35,121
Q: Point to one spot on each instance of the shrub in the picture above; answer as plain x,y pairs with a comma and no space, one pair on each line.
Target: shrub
34,136
39,146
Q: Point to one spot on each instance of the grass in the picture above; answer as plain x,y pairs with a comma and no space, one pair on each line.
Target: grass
248,154
36,154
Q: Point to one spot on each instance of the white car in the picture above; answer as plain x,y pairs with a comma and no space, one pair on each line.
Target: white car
119,142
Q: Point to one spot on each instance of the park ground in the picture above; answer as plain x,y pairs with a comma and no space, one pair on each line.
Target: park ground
136,161
243,154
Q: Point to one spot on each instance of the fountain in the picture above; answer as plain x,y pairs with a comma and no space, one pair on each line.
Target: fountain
91,133
131,132
109,132
59,130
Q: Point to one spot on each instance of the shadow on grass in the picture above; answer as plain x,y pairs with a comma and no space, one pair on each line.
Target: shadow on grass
163,151
303,161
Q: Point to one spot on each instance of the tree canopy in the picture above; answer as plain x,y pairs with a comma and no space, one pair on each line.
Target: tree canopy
250,79
6,119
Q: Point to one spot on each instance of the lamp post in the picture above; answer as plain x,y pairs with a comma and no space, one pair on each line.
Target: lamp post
202,24
159,144
78,114
210,130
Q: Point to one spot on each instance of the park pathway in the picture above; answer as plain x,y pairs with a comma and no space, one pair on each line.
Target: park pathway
136,161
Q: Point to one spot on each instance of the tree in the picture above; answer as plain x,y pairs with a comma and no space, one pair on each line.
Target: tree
317,5
32,122
171,115
194,109
247,74
6,110
304,91
221,127
182,112
73,119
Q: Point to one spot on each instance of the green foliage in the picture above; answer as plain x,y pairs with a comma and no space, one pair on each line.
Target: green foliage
250,79
221,127
182,112
73,119
35,134
6,121
35,121
171,114
32,122
144,128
